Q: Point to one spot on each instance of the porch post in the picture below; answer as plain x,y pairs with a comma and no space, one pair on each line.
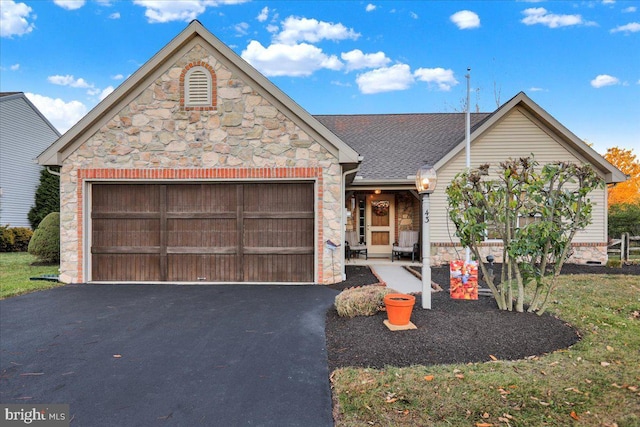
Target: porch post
426,180
426,256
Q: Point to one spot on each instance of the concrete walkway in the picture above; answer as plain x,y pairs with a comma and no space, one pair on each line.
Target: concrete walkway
398,278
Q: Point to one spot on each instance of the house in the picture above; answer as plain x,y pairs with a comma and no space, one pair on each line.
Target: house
198,169
24,133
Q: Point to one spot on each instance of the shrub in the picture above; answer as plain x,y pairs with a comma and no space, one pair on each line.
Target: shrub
45,243
7,239
624,218
361,301
47,198
22,237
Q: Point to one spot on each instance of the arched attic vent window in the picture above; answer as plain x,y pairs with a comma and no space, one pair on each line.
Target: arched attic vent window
198,84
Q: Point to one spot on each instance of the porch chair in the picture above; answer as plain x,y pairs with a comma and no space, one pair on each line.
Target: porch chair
407,244
354,245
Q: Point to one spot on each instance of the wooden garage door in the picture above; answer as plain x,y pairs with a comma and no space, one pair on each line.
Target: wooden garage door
253,232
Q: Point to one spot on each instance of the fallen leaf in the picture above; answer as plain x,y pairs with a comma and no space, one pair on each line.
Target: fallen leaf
605,363
633,388
117,356
508,416
485,415
609,348
493,357
460,376
393,399
588,381
616,385
484,425
544,403
428,377
574,415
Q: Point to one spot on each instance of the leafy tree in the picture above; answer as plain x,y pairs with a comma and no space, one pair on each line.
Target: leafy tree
555,202
629,190
47,197
624,218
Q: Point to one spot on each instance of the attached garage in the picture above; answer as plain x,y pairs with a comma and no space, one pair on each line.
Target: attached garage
202,232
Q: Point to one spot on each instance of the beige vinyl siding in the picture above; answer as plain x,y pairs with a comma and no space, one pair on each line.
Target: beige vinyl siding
516,135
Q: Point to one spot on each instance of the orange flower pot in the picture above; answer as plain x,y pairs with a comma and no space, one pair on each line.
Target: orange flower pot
399,308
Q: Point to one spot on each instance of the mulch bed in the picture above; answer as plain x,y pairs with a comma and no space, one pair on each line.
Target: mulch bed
452,331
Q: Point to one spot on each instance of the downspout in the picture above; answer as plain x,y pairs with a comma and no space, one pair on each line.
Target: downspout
52,172
343,224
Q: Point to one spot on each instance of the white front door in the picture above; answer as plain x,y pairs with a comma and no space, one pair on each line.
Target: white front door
381,221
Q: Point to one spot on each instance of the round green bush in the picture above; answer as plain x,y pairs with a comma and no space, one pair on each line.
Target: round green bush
45,243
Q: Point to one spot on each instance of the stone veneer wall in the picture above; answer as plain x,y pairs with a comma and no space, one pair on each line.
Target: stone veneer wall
155,138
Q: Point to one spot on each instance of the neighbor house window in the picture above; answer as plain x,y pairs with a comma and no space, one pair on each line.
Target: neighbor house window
198,86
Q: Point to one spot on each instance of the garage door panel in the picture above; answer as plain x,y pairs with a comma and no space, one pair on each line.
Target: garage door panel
206,268
126,198
202,232
206,198
127,232
126,267
278,268
274,232
289,197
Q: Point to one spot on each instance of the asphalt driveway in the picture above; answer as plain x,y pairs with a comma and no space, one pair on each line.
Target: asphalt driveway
145,355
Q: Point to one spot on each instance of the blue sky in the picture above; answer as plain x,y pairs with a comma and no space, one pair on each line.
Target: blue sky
580,60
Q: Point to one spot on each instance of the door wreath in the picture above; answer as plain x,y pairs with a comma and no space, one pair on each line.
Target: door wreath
380,207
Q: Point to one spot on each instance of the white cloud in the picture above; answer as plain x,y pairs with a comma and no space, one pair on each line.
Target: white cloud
540,15
70,4
629,9
465,19
413,15
386,79
117,77
370,7
439,76
264,14
608,1
115,15
603,80
357,60
311,30
272,28
160,11
71,81
537,89
62,115
632,27
14,19
289,60
241,28
14,67
106,92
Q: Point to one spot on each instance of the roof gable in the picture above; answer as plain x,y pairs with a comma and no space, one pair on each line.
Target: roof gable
573,143
8,96
193,34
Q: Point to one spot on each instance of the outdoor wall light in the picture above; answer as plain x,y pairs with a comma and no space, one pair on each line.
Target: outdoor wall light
426,179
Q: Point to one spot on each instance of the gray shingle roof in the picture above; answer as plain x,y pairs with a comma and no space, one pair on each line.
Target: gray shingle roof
394,146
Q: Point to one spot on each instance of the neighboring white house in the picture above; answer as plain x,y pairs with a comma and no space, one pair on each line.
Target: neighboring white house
24,134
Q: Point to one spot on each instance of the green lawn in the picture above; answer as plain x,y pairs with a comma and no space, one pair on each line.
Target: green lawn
594,383
15,271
